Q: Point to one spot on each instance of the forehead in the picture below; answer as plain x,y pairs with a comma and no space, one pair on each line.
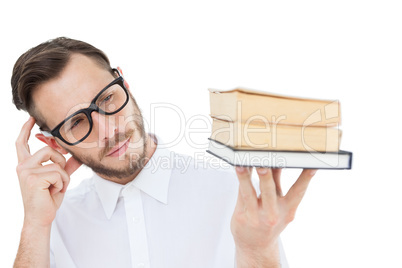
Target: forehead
72,90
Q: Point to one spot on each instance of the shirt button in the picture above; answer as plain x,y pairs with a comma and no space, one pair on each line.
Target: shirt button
137,220
141,265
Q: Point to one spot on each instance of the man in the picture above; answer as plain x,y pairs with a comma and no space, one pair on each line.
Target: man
135,211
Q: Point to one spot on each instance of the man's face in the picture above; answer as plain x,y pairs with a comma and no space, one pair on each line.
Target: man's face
116,144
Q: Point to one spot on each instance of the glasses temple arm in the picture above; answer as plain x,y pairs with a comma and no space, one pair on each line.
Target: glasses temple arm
46,134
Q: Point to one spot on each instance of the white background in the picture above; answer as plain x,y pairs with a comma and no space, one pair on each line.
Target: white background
172,51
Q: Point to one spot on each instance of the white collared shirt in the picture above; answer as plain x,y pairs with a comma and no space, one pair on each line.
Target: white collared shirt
175,213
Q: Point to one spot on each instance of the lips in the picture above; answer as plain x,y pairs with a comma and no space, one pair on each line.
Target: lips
120,148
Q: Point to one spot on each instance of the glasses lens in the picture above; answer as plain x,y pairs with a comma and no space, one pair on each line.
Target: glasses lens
75,128
112,99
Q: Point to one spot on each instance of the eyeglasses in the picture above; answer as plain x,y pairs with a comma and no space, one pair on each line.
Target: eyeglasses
77,127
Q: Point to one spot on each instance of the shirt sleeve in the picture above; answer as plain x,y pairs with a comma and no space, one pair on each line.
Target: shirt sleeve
52,260
282,255
59,255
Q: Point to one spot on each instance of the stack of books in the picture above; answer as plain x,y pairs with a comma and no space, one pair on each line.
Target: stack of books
256,128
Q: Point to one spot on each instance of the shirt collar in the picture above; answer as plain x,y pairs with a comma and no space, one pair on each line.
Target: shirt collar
153,180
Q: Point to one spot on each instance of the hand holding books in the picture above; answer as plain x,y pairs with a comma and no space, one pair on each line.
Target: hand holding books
257,222
257,129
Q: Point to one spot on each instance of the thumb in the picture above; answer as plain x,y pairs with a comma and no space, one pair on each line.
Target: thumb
72,165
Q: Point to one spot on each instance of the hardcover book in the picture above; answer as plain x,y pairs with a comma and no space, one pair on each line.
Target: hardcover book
280,159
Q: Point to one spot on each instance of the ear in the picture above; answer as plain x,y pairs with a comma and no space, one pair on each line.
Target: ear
125,82
51,142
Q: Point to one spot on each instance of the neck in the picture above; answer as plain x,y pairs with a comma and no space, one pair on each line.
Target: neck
150,149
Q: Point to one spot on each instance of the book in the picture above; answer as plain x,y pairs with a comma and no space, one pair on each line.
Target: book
280,159
241,104
259,135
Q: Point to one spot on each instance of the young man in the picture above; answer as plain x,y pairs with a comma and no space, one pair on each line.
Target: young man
136,211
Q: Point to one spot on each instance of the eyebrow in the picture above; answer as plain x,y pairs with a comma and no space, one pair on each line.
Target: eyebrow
97,95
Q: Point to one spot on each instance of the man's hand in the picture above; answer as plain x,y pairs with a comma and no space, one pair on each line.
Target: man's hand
258,221
42,186
42,189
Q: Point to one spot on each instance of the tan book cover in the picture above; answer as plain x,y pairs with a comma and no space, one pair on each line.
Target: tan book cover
266,136
241,104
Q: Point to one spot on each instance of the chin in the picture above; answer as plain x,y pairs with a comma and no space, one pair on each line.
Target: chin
123,166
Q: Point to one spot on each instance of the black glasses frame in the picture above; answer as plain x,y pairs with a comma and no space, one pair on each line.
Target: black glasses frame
92,108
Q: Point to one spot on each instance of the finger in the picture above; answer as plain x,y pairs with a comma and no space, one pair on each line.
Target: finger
55,181
21,143
268,189
276,172
246,189
239,209
51,181
54,168
298,189
72,165
43,155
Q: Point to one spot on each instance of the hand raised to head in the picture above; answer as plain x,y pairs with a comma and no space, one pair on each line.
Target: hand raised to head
42,186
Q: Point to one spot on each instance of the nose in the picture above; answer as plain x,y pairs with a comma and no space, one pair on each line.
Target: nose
104,125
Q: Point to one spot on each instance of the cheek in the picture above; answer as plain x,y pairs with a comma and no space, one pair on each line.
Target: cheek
90,146
128,118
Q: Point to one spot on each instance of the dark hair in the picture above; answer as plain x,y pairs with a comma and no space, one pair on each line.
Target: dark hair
45,62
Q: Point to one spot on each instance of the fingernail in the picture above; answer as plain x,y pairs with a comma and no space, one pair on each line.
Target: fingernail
240,169
262,171
312,172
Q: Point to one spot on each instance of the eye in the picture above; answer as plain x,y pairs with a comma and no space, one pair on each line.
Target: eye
108,98
75,123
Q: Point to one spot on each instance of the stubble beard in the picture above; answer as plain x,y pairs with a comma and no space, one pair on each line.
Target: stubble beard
132,164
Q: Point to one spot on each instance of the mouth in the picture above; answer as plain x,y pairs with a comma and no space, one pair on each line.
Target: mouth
119,149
